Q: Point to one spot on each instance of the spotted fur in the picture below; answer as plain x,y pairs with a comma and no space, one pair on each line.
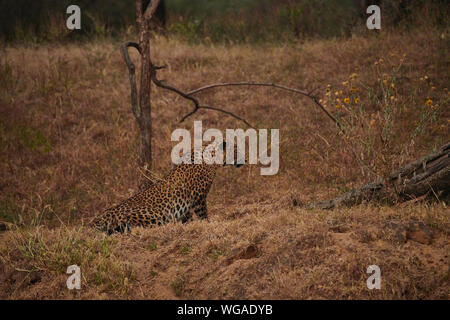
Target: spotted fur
180,195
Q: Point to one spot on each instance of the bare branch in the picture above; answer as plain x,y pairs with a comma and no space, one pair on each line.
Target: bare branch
197,105
131,70
217,109
160,83
188,95
138,9
151,8
264,84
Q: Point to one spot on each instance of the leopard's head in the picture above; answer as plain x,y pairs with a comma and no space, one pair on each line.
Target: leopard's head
213,154
238,159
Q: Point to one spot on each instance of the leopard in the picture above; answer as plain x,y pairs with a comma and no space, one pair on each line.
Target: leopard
177,197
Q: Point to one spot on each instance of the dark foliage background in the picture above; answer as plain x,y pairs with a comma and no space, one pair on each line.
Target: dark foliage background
216,20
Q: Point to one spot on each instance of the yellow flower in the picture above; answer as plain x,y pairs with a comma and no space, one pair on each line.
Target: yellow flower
338,106
347,100
336,93
356,100
429,102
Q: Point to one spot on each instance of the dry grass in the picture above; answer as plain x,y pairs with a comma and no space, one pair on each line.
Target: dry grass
68,149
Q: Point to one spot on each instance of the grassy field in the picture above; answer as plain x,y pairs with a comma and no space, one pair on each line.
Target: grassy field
69,149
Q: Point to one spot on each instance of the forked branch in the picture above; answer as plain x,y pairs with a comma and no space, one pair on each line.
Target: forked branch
197,106
151,8
132,75
189,95
265,84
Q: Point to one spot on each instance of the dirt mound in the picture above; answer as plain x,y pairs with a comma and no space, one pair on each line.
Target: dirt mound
277,254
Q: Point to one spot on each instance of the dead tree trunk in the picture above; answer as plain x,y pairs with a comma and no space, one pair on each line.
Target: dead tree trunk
430,174
145,10
427,176
142,107
145,120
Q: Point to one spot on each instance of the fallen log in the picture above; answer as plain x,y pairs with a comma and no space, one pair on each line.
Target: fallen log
427,176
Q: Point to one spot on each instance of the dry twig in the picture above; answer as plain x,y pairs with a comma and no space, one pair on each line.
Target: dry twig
197,106
278,86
